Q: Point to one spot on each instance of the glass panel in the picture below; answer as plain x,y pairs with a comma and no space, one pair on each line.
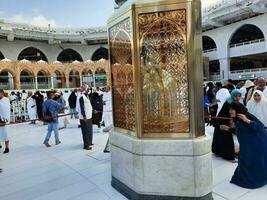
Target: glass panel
164,71
122,75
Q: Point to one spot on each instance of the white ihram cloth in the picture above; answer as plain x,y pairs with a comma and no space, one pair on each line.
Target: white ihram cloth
258,109
107,109
4,116
31,108
221,96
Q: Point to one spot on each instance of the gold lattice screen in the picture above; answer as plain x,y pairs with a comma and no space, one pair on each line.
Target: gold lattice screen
122,75
164,71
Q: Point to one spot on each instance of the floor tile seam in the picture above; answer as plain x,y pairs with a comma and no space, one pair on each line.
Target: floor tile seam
65,186
46,172
84,194
244,194
54,178
38,184
79,173
221,196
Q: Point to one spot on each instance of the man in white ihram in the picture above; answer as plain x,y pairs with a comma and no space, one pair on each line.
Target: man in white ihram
107,109
31,107
4,119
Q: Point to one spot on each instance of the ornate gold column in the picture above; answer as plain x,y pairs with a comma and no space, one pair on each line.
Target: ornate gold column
159,149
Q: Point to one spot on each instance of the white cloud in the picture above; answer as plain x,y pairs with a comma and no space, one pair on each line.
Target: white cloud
42,21
36,21
20,19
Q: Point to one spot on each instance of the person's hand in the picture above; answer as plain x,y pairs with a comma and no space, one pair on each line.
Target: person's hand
243,117
224,127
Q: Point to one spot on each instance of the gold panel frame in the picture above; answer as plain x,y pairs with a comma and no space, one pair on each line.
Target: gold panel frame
177,118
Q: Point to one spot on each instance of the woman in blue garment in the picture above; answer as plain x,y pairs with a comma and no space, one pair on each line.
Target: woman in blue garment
251,171
223,142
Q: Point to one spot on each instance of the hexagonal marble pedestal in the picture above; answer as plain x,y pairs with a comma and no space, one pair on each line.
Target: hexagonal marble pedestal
161,169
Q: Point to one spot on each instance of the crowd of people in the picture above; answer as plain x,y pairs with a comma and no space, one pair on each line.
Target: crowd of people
52,108
239,116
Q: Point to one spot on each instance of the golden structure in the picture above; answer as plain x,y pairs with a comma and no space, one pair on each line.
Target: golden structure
156,69
67,75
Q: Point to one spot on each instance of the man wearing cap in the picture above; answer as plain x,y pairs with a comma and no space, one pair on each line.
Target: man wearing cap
85,111
4,119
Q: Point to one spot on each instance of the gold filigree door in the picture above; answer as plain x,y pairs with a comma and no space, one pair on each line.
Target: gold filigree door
164,71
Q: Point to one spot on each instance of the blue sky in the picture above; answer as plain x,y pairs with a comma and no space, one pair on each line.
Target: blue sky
59,13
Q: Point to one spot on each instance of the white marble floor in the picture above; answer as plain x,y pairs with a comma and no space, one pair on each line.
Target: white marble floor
34,172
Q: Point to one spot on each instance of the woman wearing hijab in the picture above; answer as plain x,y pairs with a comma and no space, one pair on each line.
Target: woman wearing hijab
257,106
251,171
223,143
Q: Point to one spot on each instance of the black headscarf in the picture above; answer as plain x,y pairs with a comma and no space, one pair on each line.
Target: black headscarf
241,109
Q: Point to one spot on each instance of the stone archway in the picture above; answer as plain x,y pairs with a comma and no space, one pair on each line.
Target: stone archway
7,79
32,54
69,55
100,77
27,79
74,79
43,80
59,79
101,53
88,77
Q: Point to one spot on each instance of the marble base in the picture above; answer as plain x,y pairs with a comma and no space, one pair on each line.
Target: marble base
173,169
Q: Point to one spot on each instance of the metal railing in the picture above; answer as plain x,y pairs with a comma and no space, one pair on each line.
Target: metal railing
248,70
247,43
209,50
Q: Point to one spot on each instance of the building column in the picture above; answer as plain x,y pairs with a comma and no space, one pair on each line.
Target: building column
81,81
94,80
67,82
36,82
17,82
224,68
52,82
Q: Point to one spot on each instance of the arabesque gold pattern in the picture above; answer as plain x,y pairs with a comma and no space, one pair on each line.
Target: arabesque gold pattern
122,75
164,71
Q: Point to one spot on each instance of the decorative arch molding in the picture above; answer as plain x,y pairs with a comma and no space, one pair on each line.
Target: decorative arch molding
100,53
32,54
69,55
259,31
208,39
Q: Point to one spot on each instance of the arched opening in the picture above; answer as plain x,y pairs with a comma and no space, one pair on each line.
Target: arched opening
74,79
69,55
6,80
214,69
208,44
100,78
1,56
101,53
88,77
245,35
27,80
43,80
255,61
32,54
59,79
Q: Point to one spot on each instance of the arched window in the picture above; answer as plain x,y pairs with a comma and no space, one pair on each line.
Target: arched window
43,80
208,43
6,80
69,55
27,80
32,54
101,53
59,79
100,77
246,33
74,79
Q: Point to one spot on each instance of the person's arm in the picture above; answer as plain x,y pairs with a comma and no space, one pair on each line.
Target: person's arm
81,101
